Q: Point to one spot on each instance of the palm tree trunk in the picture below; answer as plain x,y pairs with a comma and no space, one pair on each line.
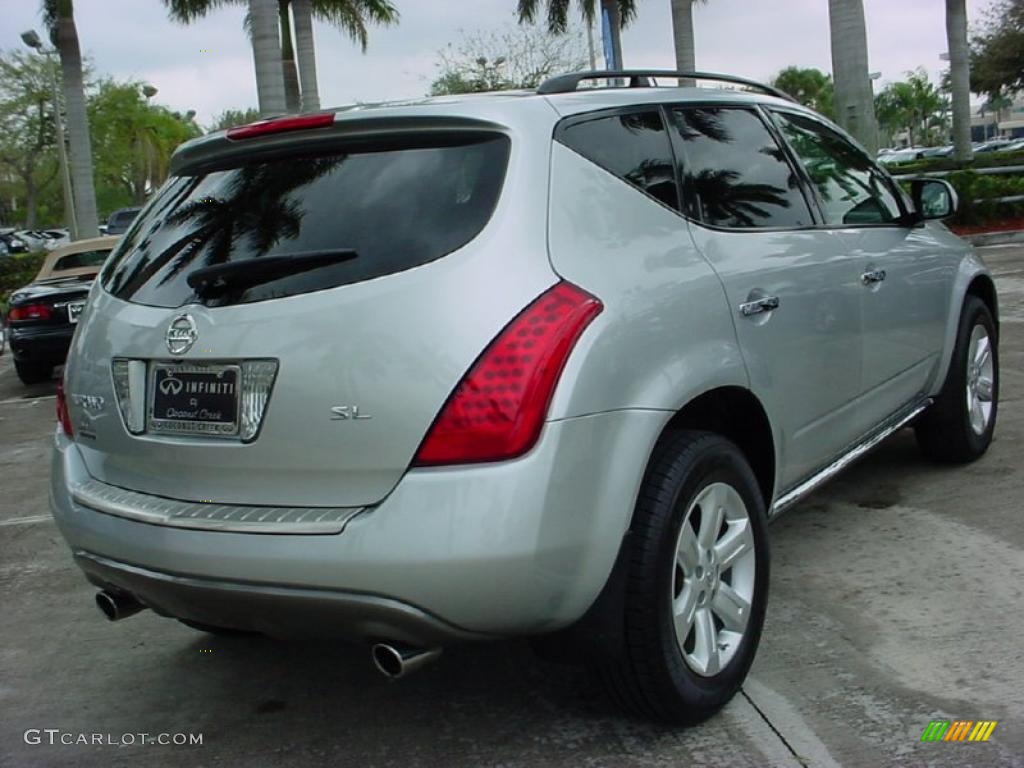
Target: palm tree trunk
611,8
266,52
959,78
302,10
66,41
855,108
288,68
682,30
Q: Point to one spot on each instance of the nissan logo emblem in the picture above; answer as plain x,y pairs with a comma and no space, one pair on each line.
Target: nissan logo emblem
181,334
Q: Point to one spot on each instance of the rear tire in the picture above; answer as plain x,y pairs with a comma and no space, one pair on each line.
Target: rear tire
696,582
959,425
33,373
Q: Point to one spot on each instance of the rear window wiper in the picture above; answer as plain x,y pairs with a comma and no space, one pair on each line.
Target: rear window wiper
236,275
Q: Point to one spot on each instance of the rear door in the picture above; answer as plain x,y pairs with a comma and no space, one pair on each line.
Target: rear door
906,273
314,385
791,285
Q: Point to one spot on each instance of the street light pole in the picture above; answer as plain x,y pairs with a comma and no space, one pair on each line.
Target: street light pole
31,39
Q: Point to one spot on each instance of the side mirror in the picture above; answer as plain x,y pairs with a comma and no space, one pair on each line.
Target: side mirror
933,198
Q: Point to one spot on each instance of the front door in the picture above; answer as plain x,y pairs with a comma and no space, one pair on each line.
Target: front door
792,286
905,272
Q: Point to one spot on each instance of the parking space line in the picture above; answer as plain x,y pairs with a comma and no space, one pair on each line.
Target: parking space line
26,520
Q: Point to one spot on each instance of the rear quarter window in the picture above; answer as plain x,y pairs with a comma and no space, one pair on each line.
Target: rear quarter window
396,207
633,146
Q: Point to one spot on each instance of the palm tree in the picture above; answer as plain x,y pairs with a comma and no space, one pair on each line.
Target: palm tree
266,53
959,78
619,12
299,78
59,17
855,109
682,30
303,12
350,16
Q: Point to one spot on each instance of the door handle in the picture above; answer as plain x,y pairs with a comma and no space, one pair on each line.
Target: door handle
759,306
873,276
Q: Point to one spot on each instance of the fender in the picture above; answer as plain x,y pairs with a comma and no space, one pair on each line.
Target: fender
972,267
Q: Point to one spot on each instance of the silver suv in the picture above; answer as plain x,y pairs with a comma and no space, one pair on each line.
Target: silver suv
530,364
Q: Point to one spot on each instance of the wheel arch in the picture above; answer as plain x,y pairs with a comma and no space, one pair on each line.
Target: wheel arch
984,288
737,414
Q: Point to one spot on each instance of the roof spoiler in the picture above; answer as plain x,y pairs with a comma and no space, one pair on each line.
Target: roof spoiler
641,78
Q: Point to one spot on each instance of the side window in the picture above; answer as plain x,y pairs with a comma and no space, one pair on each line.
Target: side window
736,172
635,147
851,188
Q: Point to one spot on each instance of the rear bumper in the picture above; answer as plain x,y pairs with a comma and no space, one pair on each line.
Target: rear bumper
42,346
513,548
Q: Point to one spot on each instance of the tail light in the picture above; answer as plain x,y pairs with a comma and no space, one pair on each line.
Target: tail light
63,415
281,125
497,410
30,312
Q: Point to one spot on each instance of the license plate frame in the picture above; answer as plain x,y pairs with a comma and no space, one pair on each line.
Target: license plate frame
225,415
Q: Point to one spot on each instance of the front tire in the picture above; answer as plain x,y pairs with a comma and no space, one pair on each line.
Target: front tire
696,583
958,427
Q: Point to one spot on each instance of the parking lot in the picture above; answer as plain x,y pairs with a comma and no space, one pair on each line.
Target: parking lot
896,599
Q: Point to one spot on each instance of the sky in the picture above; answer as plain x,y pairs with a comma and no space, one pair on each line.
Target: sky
208,66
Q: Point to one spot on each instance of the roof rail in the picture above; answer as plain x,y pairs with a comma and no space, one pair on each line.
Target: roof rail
640,78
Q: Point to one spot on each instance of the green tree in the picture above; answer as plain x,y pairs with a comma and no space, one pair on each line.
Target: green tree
997,51
959,77
913,105
59,17
620,13
27,140
811,87
134,140
229,118
520,57
854,106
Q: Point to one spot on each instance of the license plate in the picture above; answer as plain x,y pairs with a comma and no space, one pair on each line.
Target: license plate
194,399
75,310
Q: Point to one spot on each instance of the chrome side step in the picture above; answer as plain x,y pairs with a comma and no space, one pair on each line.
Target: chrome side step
791,497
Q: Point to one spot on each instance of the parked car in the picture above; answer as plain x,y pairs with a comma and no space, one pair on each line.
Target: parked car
910,155
993,145
510,365
13,243
43,239
929,152
1015,146
119,221
42,317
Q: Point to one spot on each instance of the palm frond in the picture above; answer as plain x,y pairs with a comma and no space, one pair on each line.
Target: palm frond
187,11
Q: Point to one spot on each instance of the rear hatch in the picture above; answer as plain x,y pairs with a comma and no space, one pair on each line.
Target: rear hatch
281,326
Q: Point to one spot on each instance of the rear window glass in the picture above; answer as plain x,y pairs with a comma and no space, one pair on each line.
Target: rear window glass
81,260
396,208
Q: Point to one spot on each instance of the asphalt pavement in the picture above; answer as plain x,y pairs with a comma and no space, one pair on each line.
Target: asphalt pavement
896,599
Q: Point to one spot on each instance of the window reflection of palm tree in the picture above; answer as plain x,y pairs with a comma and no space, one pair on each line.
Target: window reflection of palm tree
704,122
726,199
252,205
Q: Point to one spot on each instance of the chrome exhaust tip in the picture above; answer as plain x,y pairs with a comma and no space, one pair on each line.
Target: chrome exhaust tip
117,605
395,661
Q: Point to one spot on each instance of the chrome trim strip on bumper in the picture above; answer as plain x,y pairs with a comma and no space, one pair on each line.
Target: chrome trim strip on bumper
158,510
788,499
